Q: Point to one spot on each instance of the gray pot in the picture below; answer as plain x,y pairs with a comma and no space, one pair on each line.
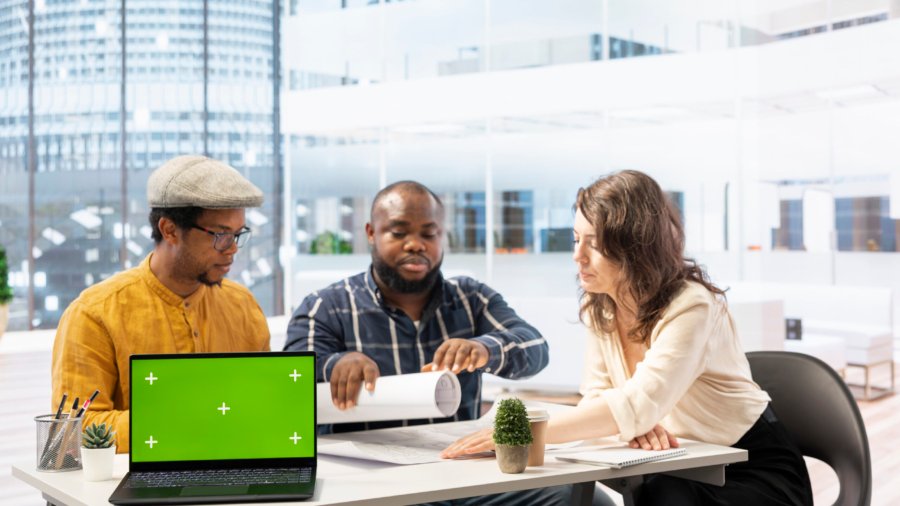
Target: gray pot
512,459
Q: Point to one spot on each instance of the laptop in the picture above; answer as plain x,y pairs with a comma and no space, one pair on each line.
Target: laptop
221,427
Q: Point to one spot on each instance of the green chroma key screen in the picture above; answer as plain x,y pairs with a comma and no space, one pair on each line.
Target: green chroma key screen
214,408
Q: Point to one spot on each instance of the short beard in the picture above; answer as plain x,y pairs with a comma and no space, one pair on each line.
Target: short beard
203,278
185,263
392,278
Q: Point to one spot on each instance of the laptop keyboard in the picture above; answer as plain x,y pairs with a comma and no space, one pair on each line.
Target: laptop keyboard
219,477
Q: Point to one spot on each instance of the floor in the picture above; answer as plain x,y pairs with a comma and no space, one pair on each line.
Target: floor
25,388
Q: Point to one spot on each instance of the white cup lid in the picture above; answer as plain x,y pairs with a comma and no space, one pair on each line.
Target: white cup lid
538,415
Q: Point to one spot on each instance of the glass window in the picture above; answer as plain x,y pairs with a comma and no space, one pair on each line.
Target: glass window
80,237
864,224
789,236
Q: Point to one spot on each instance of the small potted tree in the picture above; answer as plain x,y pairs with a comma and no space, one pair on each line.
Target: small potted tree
512,435
6,294
98,452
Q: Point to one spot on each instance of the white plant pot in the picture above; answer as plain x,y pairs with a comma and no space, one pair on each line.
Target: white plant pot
97,463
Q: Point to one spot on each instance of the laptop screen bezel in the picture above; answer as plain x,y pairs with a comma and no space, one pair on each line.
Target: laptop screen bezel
177,465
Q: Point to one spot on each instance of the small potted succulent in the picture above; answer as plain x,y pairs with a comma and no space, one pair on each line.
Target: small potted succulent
98,452
512,435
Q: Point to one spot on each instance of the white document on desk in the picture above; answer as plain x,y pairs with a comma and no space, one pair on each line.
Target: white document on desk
417,444
402,397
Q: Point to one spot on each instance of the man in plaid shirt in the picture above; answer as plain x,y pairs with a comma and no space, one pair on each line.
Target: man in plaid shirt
402,316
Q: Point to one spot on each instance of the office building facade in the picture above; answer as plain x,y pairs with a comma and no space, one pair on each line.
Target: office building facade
102,98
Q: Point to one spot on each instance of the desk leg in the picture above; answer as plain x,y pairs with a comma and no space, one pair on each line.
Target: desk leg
629,487
892,376
583,494
50,500
714,475
868,385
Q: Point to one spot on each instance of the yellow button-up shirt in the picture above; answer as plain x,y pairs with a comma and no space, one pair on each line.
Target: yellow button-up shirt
133,312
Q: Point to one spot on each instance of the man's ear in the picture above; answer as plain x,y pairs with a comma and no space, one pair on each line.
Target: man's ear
168,229
370,233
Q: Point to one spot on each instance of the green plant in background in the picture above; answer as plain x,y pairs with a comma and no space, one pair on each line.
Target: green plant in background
6,294
329,243
98,436
511,426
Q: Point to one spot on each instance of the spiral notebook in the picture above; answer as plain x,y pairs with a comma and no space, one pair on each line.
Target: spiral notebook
619,457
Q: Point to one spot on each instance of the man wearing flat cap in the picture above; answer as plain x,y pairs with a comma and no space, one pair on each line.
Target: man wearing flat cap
176,301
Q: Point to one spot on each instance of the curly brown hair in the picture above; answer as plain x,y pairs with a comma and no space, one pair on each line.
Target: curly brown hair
639,230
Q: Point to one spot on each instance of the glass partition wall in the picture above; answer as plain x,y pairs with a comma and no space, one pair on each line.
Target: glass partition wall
768,123
504,108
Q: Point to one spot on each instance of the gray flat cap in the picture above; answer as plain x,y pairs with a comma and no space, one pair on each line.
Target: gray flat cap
198,181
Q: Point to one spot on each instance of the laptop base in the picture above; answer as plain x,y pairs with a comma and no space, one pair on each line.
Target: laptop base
207,494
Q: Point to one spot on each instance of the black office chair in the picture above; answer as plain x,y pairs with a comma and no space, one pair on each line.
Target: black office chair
815,406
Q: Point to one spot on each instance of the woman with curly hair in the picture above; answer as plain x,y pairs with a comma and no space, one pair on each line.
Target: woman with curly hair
665,361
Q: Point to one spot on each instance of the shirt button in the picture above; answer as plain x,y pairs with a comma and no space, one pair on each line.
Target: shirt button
187,304
196,333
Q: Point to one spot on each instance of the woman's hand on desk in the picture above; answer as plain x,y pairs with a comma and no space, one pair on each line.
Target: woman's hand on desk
477,442
657,439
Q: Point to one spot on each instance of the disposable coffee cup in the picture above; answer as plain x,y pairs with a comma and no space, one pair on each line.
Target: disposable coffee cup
538,419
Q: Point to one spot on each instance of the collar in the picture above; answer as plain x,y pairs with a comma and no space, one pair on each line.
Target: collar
442,291
162,291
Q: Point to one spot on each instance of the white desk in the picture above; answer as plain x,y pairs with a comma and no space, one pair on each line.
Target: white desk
355,482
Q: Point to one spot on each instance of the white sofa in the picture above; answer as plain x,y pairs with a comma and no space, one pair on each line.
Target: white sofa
861,317
760,325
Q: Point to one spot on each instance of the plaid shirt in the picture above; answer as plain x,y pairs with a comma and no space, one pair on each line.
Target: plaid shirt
351,315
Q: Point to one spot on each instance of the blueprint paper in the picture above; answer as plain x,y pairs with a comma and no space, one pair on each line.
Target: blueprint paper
402,397
417,444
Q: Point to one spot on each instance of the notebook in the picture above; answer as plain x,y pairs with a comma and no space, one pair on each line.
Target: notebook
620,457
223,427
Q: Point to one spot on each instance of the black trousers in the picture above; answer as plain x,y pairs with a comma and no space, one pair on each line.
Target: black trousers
774,474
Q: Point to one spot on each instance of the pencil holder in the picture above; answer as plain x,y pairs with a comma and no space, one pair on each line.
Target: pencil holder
58,443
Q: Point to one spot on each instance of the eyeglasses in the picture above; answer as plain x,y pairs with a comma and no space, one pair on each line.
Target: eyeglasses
224,240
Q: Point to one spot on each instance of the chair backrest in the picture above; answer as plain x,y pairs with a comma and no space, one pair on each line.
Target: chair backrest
815,406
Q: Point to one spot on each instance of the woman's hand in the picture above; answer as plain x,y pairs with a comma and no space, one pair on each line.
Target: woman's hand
657,439
477,442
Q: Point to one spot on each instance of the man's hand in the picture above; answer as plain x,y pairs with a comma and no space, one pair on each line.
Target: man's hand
657,439
458,355
348,375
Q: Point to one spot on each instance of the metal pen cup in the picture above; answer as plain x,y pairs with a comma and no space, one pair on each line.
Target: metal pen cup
58,443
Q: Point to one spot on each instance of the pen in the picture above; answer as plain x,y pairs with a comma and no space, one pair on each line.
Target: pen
69,433
58,440
54,428
87,403
61,404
